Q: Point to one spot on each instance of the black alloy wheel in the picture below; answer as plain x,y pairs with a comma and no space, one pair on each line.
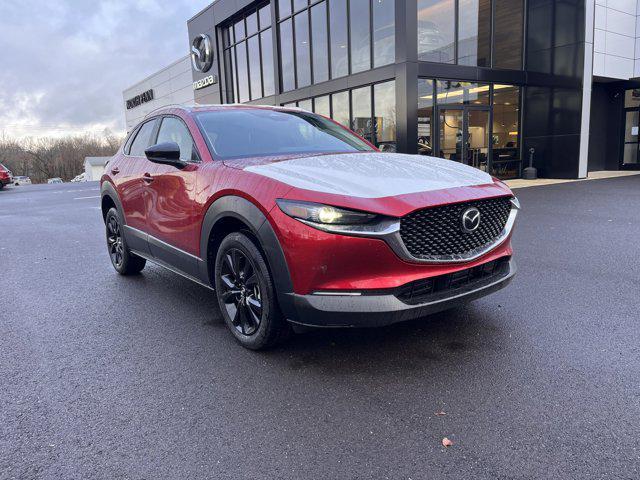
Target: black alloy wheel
240,291
124,262
114,242
246,293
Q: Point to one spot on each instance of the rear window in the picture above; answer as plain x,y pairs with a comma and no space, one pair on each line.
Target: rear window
255,132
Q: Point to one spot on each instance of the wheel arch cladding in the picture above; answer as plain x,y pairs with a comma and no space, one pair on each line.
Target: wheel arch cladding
109,200
233,211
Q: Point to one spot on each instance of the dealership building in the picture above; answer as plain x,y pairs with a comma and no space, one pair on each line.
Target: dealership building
492,83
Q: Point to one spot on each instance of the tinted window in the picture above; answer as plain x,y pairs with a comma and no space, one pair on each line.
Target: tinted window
303,63
340,107
286,56
267,63
338,29
284,8
173,130
254,67
436,30
143,139
252,132
361,111
243,77
265,16
252,23
320,44
360,36
384,32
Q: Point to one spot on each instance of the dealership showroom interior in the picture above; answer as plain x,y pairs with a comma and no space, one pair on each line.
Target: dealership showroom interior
319,239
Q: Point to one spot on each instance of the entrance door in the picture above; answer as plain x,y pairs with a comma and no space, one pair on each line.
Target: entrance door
464,135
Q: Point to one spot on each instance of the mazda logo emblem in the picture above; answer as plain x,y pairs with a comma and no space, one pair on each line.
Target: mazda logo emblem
470,220
201,53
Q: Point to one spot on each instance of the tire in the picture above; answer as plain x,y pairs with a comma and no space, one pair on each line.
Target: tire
1,186
246,294
124,262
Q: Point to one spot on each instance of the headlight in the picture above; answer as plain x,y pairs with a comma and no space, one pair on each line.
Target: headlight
323,214
340,220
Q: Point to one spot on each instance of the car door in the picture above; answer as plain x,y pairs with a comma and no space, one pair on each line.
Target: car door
129,174
172,223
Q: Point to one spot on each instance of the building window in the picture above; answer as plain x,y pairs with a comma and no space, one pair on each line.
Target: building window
426,103
436,30
476,124
361,121
481,33
384,116
322,105
333,38
384,32
268,82
248,55
360,35
340,108
339,38
287,70
506,132
303,57
320,42
369,111
474,32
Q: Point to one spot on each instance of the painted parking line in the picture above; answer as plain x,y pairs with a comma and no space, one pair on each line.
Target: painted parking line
85,198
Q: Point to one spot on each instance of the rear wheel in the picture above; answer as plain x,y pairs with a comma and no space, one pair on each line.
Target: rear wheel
125,262
246,294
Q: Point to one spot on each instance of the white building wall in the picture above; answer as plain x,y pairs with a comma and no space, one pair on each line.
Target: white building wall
171,85
616,39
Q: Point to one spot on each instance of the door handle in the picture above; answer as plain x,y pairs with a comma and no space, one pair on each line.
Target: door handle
115,170
147,178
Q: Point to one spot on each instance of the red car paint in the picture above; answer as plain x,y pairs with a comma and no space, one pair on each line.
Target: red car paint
5,176
172,207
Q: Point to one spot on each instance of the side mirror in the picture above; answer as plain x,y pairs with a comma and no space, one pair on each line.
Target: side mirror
167,153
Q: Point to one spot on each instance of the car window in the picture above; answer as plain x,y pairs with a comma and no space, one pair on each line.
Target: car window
143,139
173,130
261,132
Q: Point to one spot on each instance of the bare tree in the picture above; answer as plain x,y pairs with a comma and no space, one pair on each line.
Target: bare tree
45,158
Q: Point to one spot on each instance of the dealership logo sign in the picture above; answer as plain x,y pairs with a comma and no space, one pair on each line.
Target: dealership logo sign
201,53
470,220
205,82
140,99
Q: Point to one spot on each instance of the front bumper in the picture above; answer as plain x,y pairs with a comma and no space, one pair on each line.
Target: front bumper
377,310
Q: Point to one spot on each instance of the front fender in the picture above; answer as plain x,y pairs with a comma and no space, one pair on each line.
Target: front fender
249,214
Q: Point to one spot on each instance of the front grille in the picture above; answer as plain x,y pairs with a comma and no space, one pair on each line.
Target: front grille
434,288
437,231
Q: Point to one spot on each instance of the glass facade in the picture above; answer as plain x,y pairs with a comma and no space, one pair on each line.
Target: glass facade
327,39
248,55
322,40
482,33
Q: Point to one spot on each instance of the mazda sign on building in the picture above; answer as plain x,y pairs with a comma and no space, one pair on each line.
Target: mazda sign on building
201,53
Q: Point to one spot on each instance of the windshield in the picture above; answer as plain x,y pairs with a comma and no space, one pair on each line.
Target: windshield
249,132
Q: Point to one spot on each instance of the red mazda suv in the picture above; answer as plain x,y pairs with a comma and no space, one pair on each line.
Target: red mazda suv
293,220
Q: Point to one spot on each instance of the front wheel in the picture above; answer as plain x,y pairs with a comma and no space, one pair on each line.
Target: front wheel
246,294
125,262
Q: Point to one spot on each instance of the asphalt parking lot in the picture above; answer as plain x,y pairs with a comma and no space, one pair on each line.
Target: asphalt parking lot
109,377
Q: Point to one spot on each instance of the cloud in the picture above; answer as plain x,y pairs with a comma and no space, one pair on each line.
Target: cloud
64,64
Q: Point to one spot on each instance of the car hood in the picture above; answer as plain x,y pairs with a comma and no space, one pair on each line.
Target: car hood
370,174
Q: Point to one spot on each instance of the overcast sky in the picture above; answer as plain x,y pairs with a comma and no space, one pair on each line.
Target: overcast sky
64,64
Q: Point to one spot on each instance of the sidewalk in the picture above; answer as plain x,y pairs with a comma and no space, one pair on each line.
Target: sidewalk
520,183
